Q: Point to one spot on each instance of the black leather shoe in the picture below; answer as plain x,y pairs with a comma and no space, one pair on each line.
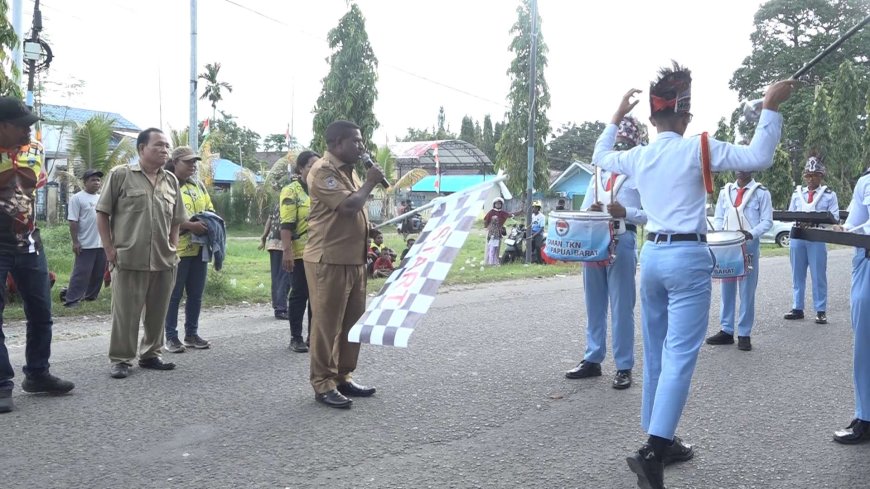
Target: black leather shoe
821,318
857,432
282,315
744,343
721,338
155,363
622,379
119,371
6,401
297,345
46,383
352,389
333,399
648,467
584,370
795,314
678,452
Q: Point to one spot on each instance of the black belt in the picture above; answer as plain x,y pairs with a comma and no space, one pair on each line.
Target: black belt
658,238
631,227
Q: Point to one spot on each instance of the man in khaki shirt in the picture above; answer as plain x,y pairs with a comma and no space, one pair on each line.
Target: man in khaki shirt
138,216
335,263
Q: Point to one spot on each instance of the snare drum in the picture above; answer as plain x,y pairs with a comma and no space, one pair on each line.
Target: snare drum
579,236
729,249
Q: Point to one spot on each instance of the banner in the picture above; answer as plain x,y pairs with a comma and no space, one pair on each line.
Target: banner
408,293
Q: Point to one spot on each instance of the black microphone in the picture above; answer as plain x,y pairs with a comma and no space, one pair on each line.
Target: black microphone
367,161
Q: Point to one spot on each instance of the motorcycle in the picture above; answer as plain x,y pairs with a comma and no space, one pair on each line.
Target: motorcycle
514,244
412,224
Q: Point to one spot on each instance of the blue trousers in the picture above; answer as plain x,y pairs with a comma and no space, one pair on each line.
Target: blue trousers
814,255
190,277
675,289
613,284
281,281
30,272
747,288
861,327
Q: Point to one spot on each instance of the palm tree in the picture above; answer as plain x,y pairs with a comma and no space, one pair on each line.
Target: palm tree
91,147
213,88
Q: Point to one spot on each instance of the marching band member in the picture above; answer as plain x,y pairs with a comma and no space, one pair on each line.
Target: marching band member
744,206
676,263
613,282
859,218
813,197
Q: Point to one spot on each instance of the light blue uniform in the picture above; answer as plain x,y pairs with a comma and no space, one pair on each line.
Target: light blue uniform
758,212
613,283
812,254
675,277
859,215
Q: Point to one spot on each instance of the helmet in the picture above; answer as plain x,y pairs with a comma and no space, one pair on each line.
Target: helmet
537,203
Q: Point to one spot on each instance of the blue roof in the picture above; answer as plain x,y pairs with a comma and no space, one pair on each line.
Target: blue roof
61,113
226,171
449,183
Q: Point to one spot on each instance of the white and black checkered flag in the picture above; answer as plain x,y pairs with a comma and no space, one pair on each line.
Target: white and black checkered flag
406,296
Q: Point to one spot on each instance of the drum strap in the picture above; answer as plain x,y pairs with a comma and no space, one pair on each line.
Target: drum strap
706,168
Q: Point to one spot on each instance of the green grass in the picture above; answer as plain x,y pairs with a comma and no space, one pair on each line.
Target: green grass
245,277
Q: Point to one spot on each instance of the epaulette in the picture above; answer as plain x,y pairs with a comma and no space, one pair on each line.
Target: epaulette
762,187
828,191
866,173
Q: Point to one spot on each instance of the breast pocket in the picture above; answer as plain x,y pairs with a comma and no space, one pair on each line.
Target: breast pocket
137,199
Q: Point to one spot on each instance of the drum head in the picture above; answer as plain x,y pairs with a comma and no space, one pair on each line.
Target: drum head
725,238
581,215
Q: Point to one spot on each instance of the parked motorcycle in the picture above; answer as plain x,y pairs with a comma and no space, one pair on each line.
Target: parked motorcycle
515,244
412,224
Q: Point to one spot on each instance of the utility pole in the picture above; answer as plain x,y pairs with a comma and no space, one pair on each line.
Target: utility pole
18,26
193,131
533,74
35,50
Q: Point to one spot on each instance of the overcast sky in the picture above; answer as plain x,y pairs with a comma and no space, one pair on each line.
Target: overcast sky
135,57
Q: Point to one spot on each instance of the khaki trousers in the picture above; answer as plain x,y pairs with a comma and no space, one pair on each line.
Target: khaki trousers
337,294
133,291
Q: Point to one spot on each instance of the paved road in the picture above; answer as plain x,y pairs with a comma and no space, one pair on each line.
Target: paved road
478,400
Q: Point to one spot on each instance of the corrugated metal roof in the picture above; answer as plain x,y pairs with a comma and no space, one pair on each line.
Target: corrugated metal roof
62,113
226,171
449,183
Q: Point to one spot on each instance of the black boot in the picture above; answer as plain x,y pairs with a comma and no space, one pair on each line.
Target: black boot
649,468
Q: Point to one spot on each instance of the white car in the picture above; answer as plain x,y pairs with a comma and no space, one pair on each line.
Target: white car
778,234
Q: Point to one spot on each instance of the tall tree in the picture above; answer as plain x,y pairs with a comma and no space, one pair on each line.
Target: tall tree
497,131
278,142
8,42
512,147
778,179
572,142
845,152
349,91
723,133
787,35
466,131
235,143
418,135
478,134
487,138
819,127
213,86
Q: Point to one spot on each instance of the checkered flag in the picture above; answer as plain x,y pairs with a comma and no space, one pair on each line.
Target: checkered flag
410,290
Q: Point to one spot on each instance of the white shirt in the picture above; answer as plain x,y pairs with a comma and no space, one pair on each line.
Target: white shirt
668,171
540,220
822,201
82,208
758,209
859,215
627,195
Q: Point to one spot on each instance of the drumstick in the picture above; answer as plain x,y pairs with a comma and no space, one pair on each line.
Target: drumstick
596,173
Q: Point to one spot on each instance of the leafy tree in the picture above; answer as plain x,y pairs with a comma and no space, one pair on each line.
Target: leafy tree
723,133
778,179
349,91
844,155
213,86
497,131
819,128
94,145
278,142
512,146
235,143
478,134
572,142
487,139
8,41
788,34
466,132
417,135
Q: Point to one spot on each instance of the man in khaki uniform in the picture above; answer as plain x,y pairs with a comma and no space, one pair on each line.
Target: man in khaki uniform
138,215
335,262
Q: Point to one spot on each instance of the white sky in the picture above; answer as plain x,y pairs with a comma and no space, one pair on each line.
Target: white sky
597,50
